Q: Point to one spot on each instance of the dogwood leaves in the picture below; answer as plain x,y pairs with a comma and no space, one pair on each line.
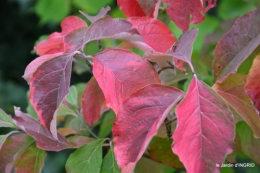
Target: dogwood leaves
205,130
237,45
138,120
180,11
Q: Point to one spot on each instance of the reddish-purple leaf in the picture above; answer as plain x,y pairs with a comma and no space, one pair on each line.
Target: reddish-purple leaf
155,33
233,91
55,43
205,132
103,28
101,14
32,67
48,87
138,120
137,7
185,45
92,101
237,45
40,133
120,73
11,149
180,11
253,84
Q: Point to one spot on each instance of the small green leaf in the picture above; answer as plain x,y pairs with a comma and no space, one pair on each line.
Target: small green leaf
72,97
4,137
64,110
86,159
106,124
109,164
31,160
5,120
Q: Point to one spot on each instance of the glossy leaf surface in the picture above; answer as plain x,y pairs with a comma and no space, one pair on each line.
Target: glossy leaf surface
92,101
138,120
49,86
31,160
181,11
233,91
235,47
205,132
119,73
87,159
253,84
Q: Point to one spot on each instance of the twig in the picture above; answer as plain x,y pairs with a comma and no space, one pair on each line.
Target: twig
80,64
168,125
82,55
99,46
171,66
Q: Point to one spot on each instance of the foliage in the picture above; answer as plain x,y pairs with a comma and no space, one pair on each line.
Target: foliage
128,90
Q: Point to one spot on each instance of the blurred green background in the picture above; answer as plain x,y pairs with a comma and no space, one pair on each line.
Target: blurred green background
23,22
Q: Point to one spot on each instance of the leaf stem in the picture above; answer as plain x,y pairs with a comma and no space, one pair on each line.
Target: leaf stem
99,46
168,125
171,66
84,56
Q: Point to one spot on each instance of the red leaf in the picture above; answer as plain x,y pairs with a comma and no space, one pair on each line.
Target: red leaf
101,14
137,7
138,120
48,87
92,101
120,73
233,91
253,83
236,45
55,43
41,134
205,131
181,10
155,33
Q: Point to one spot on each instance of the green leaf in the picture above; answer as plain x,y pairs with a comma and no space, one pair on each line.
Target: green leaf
106,124
4,137
160,150
52,11
64,110
72,97
109,164
86,159
250,145
31,160
5,120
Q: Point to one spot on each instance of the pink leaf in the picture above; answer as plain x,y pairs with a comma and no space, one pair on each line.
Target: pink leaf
137,7
48,87
92,101
181,10
155,33
120,73
40,133
101,14
236,46
138,120
205,131
104,28
253,84
54,43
